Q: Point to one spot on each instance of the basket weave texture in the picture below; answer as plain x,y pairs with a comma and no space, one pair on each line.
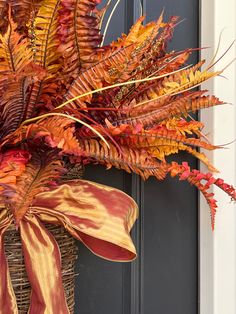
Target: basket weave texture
19,279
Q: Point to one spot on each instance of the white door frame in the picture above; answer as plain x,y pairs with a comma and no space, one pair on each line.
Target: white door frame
217,251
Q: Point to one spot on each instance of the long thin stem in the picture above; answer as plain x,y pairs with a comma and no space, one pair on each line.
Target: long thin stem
69,117
104,13
217,50
109,20
214,63
120,84
141,8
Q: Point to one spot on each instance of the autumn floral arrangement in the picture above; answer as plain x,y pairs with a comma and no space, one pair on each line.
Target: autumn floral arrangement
68,100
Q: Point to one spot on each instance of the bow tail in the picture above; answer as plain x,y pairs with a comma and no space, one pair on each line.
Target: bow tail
7,296
43,266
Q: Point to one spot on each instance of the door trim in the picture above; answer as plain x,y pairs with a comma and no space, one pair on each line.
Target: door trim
218,250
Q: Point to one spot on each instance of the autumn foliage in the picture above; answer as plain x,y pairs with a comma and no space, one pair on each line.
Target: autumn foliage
65,99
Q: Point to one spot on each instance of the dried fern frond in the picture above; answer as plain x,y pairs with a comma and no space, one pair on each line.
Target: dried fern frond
124,105
14,106
12,165
130,160
179,106
79,34
203,182
43,169
45,42
15,52
57,132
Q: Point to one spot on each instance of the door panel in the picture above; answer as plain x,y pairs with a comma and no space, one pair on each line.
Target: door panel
100,283
170,248
163,280
170,208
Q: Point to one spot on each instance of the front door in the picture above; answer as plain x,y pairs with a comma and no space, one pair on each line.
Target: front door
164,278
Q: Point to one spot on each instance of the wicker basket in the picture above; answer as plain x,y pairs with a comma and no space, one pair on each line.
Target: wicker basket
19,278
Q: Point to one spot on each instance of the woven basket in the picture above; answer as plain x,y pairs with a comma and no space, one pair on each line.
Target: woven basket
19,278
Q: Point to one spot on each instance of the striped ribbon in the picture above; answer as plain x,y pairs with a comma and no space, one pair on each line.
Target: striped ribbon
99,216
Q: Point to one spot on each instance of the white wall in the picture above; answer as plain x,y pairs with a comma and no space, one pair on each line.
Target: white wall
218,250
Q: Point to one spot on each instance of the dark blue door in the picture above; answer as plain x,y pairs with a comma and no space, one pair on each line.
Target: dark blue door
164,278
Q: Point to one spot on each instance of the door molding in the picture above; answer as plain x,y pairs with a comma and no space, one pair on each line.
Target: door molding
217,250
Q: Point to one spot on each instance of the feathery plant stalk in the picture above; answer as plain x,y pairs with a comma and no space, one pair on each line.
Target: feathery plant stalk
67,100
123,105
